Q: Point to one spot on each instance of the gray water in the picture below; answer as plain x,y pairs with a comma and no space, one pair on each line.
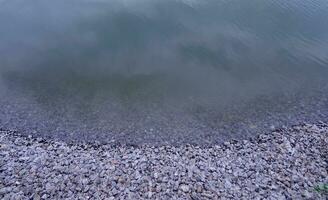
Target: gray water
161,71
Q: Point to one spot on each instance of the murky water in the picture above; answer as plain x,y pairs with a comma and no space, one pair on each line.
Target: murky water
161,71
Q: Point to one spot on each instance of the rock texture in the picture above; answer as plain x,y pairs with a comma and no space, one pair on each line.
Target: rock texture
285,164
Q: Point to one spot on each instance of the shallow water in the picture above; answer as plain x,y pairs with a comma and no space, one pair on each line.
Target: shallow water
163,71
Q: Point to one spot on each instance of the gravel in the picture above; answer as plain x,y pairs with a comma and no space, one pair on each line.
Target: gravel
288,163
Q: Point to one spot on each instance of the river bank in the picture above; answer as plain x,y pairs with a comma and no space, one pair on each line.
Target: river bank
286,163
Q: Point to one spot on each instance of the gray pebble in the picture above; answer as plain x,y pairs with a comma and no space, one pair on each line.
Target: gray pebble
286,163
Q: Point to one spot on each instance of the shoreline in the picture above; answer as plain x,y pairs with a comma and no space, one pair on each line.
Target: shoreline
162,127
286,163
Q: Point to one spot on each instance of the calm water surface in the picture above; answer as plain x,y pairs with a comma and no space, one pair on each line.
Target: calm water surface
161,71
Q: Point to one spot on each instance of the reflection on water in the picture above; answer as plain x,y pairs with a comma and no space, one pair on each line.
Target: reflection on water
149,56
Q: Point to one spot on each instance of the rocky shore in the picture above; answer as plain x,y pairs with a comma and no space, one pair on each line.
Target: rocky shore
289,163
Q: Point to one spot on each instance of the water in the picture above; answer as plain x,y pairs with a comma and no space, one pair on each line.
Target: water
163,71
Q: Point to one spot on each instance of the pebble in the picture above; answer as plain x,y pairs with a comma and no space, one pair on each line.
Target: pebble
287,163
184,188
